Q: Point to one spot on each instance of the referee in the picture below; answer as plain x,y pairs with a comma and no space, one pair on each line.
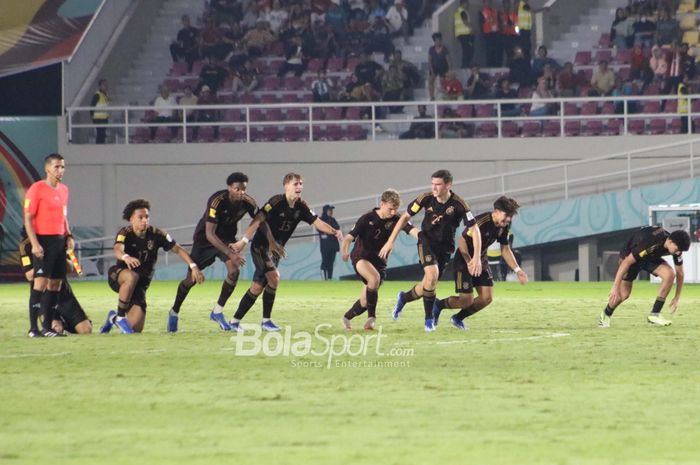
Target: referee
46,223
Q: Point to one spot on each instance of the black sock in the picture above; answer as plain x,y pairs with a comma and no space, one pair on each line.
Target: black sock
355,310
428,301
268,301
609,311
246,302
182,290
122,308
410,296
48,305
658,305
372,296
465,313
443,303
226,291
34,309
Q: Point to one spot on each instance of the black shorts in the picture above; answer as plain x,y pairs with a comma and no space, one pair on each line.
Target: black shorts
643,265
377,263
264,262
53,264
139,295
465,282
431,254
69,309
204,254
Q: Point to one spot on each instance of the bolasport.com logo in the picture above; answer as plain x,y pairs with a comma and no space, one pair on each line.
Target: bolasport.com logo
318,350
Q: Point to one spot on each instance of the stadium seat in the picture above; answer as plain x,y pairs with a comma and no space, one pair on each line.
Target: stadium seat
353,113
624,73
319,132
173,84
196,68
589,108
274,114
601,55
232,134
334,132
551,129
657,126
178,69
690,37
289,98
293,83
572,128
696,125
532,129
355,132
141,136
509,129
268,98
314,65
335,65
614,127
670,106
270,83
333,114
319,114
636,126
465,111
570,109
623,56
234,115
294,133
487,130
206,134
651,106
675,126
485,111
305,97
248,99
592,128
604,41
297,114
688,22
582,58
257,114
608,108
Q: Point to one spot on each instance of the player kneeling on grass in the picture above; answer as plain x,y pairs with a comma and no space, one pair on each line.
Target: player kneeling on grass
69,316
136,248
643,251
370,234
493,226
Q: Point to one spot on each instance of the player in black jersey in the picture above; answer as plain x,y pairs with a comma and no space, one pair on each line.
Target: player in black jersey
493,226
370,234
644,251
444,211
136,248
282,214
215,236
70,314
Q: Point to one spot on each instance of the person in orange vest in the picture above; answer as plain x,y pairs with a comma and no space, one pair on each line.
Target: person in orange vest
463,32
508,24
488,17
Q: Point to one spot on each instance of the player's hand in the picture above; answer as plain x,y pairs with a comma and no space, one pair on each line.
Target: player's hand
197,275
674,304
474,266
70,243
278,250
237,247
522,277
38,251
345,256
237,259
339,234
386,250
131,262
614,296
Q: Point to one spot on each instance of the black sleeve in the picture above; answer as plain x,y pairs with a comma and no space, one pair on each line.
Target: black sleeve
677,260
121,236
359,227
95,99
307,214
164,240
503,238
408,227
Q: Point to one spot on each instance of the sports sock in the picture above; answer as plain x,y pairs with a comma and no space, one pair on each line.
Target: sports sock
245,304
410,296
226,291
268,301
122,308
49,299
609,311
658,305
428,300
34,309
372,296
355,310
465,313
182,290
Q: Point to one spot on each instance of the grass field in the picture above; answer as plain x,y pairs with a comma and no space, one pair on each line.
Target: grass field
533,382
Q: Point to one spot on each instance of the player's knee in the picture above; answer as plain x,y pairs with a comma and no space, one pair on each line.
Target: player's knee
84,327
273,280
256,288
373,283
487,299
465,300
232,278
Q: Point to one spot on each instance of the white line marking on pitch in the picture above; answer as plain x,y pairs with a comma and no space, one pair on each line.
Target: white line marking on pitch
62,354
503,339
57,354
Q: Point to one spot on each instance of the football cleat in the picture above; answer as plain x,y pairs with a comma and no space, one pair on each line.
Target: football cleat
369,324
457,323
236,327
51,333
123,326
269,326
346,323
436,312
429,325
34,333
398,307
172,323
107,327
603,320
658,320
220,319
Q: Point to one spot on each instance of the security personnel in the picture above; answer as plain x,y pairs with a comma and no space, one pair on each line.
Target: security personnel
463,32
489,29
683,104
508,20
525,27
100,100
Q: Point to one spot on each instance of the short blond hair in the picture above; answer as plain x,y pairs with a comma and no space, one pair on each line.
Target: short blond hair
392,197
291,177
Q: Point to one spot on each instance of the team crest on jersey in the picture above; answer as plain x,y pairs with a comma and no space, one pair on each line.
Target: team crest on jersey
150,245
450,210
388,226
428,258
296,215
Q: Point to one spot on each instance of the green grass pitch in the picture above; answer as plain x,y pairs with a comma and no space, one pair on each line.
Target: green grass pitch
534,381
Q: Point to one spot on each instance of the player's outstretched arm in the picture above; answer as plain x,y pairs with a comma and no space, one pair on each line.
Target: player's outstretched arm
197,274
255,223
345,247
474,265
509,257
324,227
386,250
680,278
464,249
614,296
131,262
210,232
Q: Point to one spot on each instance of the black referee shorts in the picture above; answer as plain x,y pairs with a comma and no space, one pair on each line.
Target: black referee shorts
53,264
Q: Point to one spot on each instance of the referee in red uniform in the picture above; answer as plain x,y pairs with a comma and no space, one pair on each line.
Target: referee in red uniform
46,223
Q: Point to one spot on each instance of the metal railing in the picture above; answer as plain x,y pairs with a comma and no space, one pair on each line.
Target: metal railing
310,117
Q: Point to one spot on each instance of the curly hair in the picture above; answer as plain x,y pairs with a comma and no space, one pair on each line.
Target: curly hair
134,205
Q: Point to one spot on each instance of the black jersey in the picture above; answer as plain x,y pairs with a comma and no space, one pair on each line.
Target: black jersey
225,214
648,244
442,219
371,233
145,249
490,233
282,219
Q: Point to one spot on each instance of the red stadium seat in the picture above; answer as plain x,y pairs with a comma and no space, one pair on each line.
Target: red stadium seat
592,128
582,58
487,130
614,127
572,128
636,126
551,129
657,126
532,129
509,129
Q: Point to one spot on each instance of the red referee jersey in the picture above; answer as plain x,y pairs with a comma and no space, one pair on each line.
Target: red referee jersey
49,208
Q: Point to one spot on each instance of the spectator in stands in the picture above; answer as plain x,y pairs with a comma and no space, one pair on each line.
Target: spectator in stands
420,130
550,78
210,40
251,16
276,16
411,76
164,114
212,75
525,27
603,80
438,62
185,45
295,59
258,40
477,85
538,107
681,64
321,88
326,42
668,29
658,65
206,97
337,18
451,87
505,92
100,99
379,38
508,27
397,17
568,81
541,60
188,99
368,70
488,18
620,29
366,93
453,129
245,78
639,65
392,86
463,32
644,30
519,66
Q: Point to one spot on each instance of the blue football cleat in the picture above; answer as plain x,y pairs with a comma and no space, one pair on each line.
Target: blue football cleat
436,312
220,319
236,327
107,327
123,326
457,323
269,326
429,325
398,307
172,323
